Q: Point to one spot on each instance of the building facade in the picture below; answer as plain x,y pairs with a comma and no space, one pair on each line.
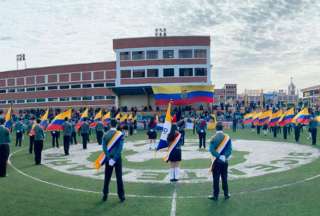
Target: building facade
311,95
140,64
227,94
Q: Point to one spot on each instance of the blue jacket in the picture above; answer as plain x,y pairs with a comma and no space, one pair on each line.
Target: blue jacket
215,141
115,153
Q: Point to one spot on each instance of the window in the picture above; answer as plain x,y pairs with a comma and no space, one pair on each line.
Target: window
31,89
20,101
98,85
168,54
31,100
76,86
152,54
41,100
3,91
138,73
76,98
110,84
200,71
138,55
86,86
185,72
11,101
125,73
152,73
168,72
64,99
21,90
11,90
42,88
64,87
200,53
99,97
185,53
110,97
52,99
3,102
87,98
124,56
52,87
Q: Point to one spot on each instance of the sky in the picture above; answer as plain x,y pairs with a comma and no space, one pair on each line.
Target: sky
255,43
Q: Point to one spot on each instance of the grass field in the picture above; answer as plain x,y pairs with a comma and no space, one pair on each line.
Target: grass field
287,193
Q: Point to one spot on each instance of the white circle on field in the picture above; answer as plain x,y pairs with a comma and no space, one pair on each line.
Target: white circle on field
263,157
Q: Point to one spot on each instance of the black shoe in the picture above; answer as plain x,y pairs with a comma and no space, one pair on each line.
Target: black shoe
122,199
104,198
226,197
171,180
214,198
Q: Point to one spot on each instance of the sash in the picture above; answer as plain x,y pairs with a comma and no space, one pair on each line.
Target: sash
219,149
102,157
32,132
171,146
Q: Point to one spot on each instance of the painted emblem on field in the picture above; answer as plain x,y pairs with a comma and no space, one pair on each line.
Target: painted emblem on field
263,157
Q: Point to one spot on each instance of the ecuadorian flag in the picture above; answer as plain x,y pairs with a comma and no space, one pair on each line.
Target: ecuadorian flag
255,118
57,122
84,115
166,128
8,119
106,118
302,117
183,95
286,117
97,117
248,118
44,120
275,118
264,118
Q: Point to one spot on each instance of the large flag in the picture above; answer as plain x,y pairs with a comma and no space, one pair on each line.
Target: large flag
8,119
255,118
318,118
183,95
57,122
166,128
287,117
275,118
302,117
248,118
264,118
44,120
106,118
84,115
97,117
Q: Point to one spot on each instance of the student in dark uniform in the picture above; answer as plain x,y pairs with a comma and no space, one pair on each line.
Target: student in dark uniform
258,129
234,123
73,139
19,128
131,127
181,125
55,138
31,134
220,164
297,131
38,142
113,161
285,132
313,124
152,133
67,131
4,147
201,130
99,131
175,156
84,131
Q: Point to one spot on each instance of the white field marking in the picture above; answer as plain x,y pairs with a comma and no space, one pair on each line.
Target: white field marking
152,196
174,202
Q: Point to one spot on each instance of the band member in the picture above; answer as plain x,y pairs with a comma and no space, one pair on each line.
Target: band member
113,138
38,142
19,128
201,130
221,150
4,147
131,127
31,134
313,124
174,157
55,138
99,131
73,139
297,131
84,131
181,125
285,132
152,133
67,131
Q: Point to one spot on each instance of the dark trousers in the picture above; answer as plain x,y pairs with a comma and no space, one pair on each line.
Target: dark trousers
55,140
38,146
85,139
297,134
130,130
66,144
73,138
99,137
31,142
107,177
258,129
275,132
182,136
19,138
285,132
202,140
313,132
220,169
234,127
4,155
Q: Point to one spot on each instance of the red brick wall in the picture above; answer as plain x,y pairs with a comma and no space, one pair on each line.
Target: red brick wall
53,78
75,77
20,81
40,79
98,75
11,82
163,80
111,74
86,76
30,80
63,77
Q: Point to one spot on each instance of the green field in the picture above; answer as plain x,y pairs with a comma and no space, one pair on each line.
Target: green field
39,190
